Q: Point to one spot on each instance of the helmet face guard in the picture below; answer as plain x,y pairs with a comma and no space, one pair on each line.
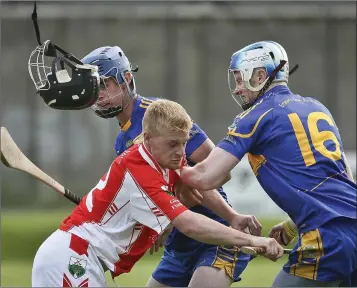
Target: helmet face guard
238,96
268,55
62,82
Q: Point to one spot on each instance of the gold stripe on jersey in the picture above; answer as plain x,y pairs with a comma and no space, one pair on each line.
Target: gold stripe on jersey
143,106
253,130
256,161
323,181
146,101
310,253
126,126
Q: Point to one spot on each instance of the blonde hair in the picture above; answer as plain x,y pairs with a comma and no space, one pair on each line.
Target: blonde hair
166,114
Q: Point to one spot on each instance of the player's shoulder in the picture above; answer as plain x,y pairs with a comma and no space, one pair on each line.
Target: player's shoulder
142,166
134,156
249,120
144,102
140,105
132,160
129,155
300,104
195,130
261,113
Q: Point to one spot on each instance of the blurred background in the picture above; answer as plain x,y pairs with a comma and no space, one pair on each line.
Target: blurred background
183,49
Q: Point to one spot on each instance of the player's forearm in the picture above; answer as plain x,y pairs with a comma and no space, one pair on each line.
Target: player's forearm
212,232
215,202
206,230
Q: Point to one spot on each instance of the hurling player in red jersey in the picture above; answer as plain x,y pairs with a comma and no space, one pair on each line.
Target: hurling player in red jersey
133,203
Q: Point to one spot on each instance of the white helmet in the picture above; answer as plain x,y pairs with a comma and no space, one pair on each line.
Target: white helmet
263,54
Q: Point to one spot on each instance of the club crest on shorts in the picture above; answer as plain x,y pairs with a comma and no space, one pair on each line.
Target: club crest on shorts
309,251
77,267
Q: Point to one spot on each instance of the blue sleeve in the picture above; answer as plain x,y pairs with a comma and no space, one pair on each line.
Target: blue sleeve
197,137
245,132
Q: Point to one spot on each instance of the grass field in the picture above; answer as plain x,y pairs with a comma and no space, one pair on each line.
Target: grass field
260,273
22,234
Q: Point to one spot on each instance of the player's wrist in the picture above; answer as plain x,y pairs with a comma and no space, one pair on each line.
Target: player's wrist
255,241
232,215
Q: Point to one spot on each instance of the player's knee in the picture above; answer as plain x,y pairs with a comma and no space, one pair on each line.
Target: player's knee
208,276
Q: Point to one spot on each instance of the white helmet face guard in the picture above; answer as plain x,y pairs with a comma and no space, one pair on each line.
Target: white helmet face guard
237,95
39,66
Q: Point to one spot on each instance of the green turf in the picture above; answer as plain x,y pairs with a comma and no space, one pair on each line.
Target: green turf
259,273
22,233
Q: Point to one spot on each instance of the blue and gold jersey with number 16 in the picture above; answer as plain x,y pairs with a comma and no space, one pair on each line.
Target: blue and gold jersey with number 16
295,150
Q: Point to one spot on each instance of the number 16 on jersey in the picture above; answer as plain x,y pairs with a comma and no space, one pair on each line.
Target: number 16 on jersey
318,138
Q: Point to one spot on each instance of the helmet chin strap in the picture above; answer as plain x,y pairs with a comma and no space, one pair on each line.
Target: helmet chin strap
255,89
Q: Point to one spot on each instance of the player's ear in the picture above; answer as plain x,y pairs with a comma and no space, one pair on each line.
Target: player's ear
262,75
147,138
128,76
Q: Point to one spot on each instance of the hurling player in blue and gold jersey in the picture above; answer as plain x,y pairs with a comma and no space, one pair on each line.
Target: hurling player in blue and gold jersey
295,150
185,261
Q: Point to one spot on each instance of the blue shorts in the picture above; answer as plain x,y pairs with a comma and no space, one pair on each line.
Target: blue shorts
177,267
327,253
350,281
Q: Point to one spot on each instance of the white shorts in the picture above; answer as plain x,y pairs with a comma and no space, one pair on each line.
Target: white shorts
63,261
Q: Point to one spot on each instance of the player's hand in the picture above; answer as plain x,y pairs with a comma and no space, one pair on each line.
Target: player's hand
246,223
273,250
188,196
284,232
160,241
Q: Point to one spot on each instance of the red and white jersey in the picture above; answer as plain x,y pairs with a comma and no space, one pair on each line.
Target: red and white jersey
122,216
